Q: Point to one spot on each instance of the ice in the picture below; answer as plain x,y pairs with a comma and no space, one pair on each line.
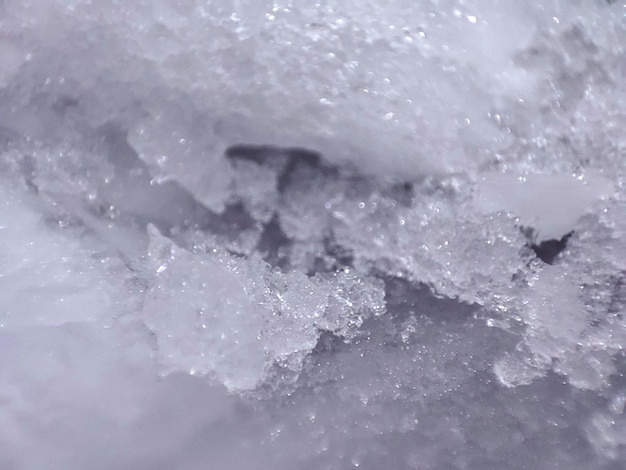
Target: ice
212,314
202,318
538,202
254,234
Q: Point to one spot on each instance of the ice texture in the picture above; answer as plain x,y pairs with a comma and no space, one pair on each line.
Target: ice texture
332,234
214,314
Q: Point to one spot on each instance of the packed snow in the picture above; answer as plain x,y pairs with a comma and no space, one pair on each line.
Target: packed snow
335,234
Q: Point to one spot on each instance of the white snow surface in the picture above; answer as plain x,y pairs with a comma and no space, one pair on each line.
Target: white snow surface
330,234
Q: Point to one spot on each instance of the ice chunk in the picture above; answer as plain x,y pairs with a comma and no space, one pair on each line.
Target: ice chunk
572,311
433,240
551,204
219,315
204,321
183,148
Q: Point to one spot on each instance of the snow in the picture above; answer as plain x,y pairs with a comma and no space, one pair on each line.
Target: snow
253,234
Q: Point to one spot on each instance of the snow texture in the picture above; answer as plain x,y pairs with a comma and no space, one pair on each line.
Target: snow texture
334,234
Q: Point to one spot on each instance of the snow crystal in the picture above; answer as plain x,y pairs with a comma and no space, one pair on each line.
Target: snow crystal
213,314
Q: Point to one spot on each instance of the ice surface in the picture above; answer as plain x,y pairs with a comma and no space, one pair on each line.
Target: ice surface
254,234
538,202
214,314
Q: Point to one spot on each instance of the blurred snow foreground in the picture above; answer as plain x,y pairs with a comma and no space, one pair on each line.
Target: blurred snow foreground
335,234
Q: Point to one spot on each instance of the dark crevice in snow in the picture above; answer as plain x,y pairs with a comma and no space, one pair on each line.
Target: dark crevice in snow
402,192
301,159
405,299
274,244
290,161
172,206
548,250
329,344
342,256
